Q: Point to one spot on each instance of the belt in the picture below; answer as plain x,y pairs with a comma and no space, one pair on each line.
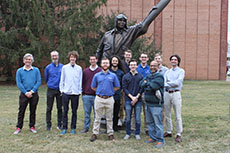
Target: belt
104,97
171,91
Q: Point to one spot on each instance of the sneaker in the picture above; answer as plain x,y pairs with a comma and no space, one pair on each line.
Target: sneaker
150,141
138,137
63,132
18,130
72,131
59,128
159,144
33,130
93,138
48,128
84,131
127,137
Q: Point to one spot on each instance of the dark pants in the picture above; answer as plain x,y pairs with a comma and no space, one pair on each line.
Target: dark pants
50,95
23,102
116,110
74,105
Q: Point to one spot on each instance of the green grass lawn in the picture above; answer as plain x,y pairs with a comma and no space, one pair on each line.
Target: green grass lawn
205,114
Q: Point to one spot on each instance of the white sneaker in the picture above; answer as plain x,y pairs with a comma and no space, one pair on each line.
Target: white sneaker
138,137
126,136
18,130
33,130
119,122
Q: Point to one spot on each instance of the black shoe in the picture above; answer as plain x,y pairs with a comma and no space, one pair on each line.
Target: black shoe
48,129
167,134
84,131
93,138
178,138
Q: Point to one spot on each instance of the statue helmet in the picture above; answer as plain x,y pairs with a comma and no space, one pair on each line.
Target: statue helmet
121,16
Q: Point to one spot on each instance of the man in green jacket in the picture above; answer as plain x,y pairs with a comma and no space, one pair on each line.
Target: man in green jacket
153,85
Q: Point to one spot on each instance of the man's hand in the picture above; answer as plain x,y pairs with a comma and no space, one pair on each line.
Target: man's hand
134,101
29,94
116,88
132,97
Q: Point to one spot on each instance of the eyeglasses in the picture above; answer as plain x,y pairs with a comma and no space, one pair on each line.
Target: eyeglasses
144,57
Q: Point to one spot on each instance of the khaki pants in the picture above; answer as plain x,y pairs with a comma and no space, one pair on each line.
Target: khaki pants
173,100
121,113
143,104
103,106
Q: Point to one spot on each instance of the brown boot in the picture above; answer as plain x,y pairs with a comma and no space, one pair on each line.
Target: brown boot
111,137
93,138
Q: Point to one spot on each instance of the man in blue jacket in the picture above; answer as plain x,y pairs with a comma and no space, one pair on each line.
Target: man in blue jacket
153,85
52,78
28,79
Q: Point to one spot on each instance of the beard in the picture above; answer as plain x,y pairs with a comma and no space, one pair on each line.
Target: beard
55,61
105,68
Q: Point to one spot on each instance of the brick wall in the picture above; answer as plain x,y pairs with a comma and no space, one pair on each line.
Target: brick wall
194,29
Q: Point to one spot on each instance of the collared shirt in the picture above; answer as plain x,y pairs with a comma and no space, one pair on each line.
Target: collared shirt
174,78
71,79
162,70
28,80
24,68
93,69
134,73
105,82
53,75
143,70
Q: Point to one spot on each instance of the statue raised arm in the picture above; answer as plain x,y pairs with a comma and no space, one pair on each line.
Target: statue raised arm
120,39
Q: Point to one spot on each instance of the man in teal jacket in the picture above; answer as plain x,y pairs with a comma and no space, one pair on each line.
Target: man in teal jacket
153,85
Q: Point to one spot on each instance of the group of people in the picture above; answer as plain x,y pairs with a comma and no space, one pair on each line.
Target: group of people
103,88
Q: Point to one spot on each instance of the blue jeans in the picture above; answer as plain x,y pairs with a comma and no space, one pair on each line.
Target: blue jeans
154,121
137,111
88,104
74,105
